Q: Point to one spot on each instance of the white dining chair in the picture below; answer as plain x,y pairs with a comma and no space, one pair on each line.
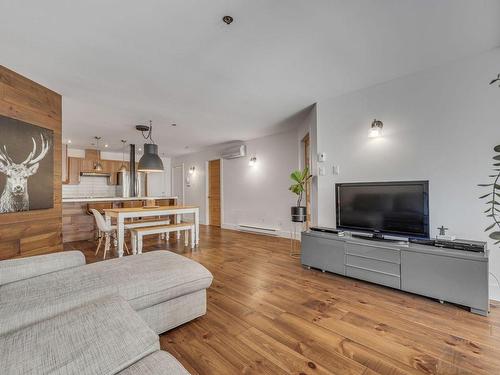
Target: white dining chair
107,231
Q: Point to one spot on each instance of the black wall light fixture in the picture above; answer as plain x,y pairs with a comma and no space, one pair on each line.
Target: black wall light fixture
150,161
376,128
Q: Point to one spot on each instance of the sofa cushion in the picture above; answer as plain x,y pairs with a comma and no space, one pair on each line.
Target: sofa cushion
103,337
143,280
23,268
158,363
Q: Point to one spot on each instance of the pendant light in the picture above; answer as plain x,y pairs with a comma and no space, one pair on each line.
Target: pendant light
150,161
97,164
123,167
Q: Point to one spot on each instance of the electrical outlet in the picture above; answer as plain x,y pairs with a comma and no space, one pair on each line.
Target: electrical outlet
322,171
336,170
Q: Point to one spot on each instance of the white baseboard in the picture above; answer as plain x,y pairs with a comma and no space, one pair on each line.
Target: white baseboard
495,292
279,233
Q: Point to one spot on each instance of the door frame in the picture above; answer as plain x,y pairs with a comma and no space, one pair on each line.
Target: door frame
306,161
207,205
183,182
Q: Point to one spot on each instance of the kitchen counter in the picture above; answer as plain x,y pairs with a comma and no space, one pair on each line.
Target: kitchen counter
109,199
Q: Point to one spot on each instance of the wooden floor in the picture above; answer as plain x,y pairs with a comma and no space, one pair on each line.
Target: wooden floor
268,315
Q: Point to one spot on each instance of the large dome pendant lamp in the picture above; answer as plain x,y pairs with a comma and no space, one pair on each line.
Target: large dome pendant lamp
150,161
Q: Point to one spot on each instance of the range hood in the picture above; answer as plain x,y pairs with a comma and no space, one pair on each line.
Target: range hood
95,174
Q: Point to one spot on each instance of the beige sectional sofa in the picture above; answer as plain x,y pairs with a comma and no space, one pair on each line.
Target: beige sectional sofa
60,316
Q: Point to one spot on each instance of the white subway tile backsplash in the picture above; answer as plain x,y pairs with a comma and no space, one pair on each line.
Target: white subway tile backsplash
90,187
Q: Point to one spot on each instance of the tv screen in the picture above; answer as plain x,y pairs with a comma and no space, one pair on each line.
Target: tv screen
392,208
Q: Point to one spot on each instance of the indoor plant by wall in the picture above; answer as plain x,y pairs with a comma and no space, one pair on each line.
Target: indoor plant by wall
300,178
493,196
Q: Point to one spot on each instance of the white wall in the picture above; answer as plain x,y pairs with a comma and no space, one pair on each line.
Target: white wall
195,193
259,195
251,195
439,125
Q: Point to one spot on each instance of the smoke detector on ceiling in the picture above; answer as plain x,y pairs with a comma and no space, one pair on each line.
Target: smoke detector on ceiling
227,19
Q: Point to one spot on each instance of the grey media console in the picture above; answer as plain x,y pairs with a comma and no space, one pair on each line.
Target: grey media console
455,276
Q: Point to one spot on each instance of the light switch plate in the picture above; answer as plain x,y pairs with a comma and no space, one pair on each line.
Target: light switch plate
322,171
336,170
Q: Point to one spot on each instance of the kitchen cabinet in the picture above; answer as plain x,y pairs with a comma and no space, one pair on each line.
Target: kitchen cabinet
74,168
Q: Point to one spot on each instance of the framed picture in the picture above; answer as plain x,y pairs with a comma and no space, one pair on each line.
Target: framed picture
26,166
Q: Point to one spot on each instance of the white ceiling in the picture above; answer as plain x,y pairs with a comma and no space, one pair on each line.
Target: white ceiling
122,62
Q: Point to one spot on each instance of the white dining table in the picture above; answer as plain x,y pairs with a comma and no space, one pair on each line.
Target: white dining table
120,214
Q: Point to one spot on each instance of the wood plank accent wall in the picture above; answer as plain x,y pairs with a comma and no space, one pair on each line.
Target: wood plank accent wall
38,231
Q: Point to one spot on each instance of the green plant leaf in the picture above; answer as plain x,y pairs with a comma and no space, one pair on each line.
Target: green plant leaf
497,148
496,243
485,185
296,176
488,210
489,227
486,195
495,235
496,157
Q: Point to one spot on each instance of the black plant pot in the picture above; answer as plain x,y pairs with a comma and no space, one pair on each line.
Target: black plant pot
299,214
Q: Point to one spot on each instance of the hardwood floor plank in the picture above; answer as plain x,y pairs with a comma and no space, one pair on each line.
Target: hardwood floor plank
287,359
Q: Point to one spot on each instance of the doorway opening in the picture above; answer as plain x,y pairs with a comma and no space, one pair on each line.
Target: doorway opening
214,193
177,182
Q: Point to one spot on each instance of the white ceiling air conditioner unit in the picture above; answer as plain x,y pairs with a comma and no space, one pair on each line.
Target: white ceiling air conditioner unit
235,152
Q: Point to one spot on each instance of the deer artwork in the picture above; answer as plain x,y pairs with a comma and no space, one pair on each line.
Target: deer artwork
15,195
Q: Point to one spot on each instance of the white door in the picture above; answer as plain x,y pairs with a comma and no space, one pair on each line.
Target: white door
178,183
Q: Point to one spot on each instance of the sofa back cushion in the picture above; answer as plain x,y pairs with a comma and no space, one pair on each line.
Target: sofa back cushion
24,268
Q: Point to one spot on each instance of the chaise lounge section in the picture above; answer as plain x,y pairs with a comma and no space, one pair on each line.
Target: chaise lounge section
166,289
132,298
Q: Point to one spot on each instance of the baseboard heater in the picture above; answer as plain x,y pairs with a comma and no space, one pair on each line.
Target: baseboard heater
258,229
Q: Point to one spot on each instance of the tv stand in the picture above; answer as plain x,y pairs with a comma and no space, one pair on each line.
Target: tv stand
455,276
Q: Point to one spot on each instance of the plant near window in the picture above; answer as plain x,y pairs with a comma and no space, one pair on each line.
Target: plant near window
493,203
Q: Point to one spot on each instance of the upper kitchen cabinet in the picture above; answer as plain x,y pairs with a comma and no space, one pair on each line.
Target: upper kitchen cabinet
74,166
74,169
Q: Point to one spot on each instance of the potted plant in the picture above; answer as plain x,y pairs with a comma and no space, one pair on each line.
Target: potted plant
300,178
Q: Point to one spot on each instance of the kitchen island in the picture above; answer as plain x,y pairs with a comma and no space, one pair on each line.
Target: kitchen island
79,225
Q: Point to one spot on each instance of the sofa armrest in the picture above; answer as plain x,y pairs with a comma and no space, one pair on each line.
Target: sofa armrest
24,268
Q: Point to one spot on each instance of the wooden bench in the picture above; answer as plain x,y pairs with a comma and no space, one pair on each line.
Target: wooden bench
139,233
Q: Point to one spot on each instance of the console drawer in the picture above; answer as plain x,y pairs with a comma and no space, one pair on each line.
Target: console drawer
373,265
374,277
374,252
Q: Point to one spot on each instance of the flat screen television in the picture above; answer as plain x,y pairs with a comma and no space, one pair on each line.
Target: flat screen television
384,208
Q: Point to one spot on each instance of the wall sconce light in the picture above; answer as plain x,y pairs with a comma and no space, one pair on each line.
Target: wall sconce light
376,128
253,161
192,170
